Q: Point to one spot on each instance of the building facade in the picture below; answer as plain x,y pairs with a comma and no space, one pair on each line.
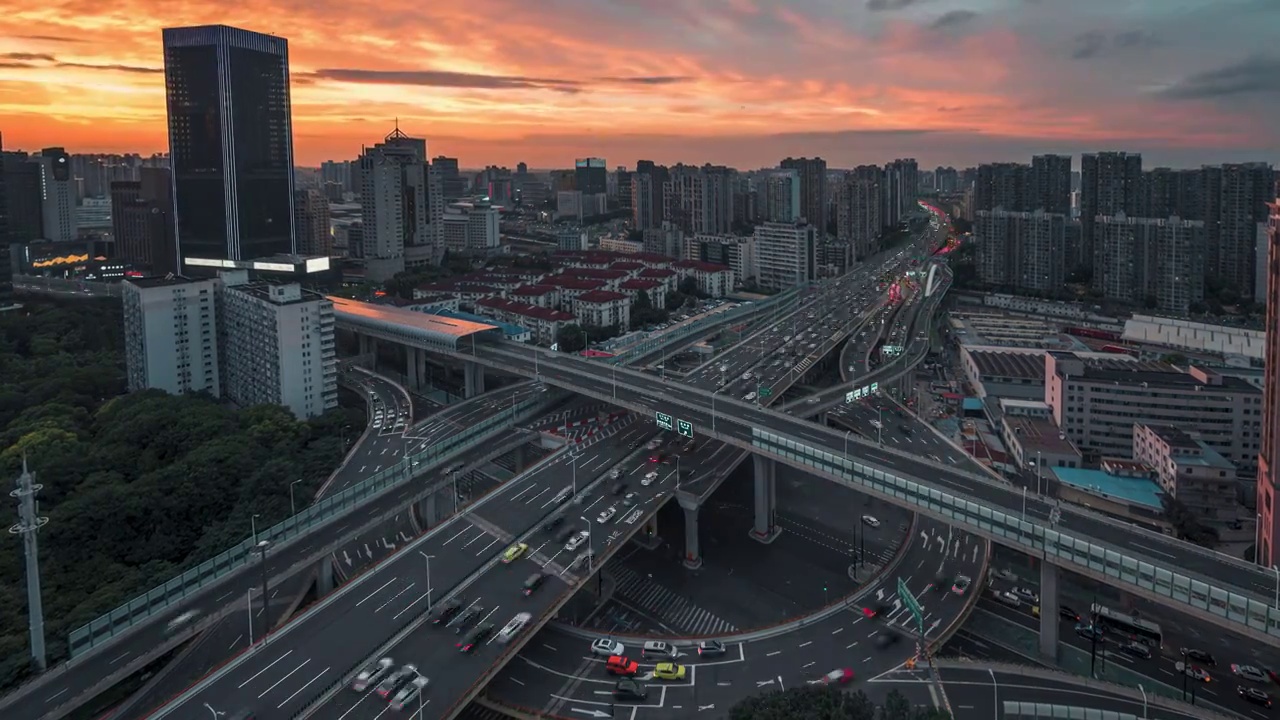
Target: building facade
1188,470
786,255
858,205
57,195
396,211
311,221
142,221
171,334
1268,481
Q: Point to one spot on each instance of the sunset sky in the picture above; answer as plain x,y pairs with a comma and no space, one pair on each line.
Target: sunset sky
738,82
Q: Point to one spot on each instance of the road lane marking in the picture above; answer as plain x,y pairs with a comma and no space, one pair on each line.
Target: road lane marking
255,677
393,597
486,547
304,687
775,652
806,644
455,535
375,592
286,677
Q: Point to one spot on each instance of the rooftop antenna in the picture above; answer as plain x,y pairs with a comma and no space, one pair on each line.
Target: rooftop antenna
28,523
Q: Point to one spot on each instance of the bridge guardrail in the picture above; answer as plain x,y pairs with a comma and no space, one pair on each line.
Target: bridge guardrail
161,597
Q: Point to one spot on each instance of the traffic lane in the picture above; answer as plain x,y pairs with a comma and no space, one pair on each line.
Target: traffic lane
435,652
456,419
982,691
375,545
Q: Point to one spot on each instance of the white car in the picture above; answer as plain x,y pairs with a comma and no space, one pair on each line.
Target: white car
649,478
372,675
1248,672
607,514
576,541
182,620
409,693
871,521
607,647
517,624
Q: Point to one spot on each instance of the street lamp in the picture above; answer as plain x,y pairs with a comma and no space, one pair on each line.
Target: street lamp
427,558
1144,700
846,443
590,544
293,509
266,614
514,394
253,527
880,426
215,713
1039,489
573,464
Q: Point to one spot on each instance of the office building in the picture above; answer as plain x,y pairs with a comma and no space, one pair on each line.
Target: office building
1110,184
311,223
471,227
278,347
779,199
340,174
1268,479
6,268
858,206
699,200
57,195
642,208
736,253
813,189
396,206
1022,250
622,188
590,176
171,334
786,255
22,198
1155,262
453,186
230,144
142,221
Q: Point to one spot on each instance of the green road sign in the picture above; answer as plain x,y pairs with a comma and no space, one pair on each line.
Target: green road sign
910,601
685,428
766,392
664,420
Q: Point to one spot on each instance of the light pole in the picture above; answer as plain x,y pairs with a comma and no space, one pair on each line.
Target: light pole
1144,700
1276,602
253,527
880,426
514,394
266,614
1039,488
590,551
215,713
846,443
573,464
615,379
293,509
427,558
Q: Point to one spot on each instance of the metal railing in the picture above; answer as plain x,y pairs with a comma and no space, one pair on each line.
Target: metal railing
163,596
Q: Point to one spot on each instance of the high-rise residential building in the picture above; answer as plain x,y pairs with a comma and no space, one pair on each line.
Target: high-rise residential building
277,346
57,195
858,206
699,200
946,180
786,254
1050,184
622,188
1268,484
813,189
142,221
904,176
471,227
6,269
780,199
311,223
396,195
22,198
642,197
1156,262
590,176
1021,250
1245,191
171,334
1110,183
453,186
1001,186
339,173
230,144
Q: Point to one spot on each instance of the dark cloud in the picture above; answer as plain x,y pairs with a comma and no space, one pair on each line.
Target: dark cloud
12,65
442,78
953,18
51,38
1252,76
25,57
117,68
883,5
654,80
1088,45
1094,43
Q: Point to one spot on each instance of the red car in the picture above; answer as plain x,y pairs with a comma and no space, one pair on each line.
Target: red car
868,612
841,676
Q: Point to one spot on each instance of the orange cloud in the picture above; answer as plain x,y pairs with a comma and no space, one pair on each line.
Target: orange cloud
478,79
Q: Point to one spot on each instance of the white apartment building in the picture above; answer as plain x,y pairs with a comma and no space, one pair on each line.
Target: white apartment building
569,205
570,238
713,279
398,199
1096,403
738,253
171,334
471,227
278,348
786,255
602,308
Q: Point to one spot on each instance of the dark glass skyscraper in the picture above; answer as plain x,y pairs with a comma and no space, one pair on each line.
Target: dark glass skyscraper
230,143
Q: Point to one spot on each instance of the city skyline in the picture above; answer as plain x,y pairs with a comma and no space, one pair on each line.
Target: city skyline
948,81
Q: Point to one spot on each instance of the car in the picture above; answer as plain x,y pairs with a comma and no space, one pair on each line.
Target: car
615,473
372,675
1005,597
653,444
749,396
619,665
553,524
1199,656
1026,594
1196,673
446,611
533,582
649,478
1089,632
182,620
511,629
563,496
839,676
711,648
475,637
576,540
1136,649
961,585
656,458
870,521
630,499
628,689
514,553
658,648
393,681
607,647
1254,695
1248,672
607,514
1068,613
668,671
887,640
620,488
409,693
467,617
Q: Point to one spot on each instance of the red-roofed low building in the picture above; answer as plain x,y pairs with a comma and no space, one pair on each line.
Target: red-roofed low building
713,279
542,323
669,278
602,308
632,269
547,296
468,291
634,287
612,278
572,286
652,260
428,289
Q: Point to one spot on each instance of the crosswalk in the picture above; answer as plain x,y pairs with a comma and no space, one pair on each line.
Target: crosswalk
672,609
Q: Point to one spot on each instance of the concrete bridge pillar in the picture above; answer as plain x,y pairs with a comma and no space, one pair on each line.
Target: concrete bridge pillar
766,528
692,553
427,511
1049,611
648,536
473,374
411,375
324,577
519,458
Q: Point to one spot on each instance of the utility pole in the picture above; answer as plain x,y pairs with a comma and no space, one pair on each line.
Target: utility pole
28,523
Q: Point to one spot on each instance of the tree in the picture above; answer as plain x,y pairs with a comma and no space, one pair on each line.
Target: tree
1186,525
571,338
644,313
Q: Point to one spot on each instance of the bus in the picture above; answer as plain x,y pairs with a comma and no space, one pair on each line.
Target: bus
1143,631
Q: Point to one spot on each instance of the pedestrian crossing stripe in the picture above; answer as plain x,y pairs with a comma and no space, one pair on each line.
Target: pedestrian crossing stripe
674,610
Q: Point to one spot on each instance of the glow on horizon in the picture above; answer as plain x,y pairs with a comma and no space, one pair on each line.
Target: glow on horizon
740,82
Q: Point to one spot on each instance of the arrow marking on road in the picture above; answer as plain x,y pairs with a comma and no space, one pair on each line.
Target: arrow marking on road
706,707
592,713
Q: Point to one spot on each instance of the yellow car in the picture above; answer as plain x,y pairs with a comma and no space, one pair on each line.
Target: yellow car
514,552
669,671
